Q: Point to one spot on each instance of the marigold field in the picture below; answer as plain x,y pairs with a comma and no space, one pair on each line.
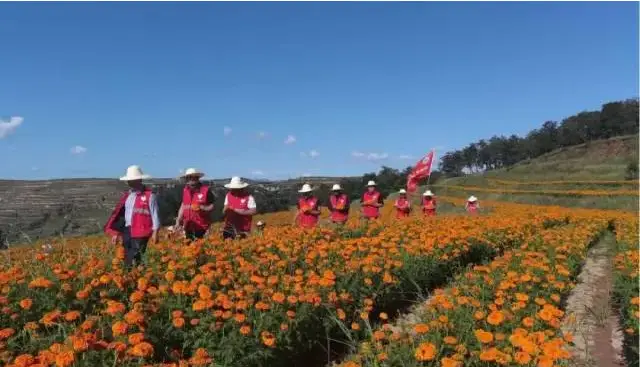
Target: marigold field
290,297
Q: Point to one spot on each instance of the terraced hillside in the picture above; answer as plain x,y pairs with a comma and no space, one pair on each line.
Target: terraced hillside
594,175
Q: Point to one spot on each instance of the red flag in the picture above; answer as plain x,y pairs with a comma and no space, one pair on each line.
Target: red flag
420,171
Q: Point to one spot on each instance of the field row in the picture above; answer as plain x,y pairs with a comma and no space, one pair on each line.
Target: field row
592,182
600,193
506,312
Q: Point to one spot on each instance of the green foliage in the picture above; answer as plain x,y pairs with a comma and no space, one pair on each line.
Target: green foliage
614,119
631,172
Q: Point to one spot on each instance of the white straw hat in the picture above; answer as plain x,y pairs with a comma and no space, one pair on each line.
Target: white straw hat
134,173
371,183
427,193
402,191
336,187
192,172
472,199
236,183
305,188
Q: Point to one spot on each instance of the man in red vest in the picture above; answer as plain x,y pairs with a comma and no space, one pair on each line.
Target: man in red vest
239,208
371,202
402,205
472,205
308,205
135,218
197,203
428,204
338,205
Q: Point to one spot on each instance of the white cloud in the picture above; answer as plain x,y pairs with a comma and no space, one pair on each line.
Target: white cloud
306,174
227,131
405,156
377,156
357,154
290,139
78,149
262,135
8,127
314,153
257,172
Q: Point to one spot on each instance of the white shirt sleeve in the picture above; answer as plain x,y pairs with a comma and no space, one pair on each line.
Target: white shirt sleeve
226,200
252,202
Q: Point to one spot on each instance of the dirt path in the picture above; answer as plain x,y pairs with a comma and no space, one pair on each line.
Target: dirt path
589,314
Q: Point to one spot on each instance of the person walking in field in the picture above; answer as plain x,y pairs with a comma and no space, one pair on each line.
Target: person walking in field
472,205
194,214
338,205
135,219
402,205
239,209
429,204
308,206
371,202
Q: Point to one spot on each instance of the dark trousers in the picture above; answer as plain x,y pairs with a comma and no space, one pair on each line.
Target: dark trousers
134,248
193,234
232,233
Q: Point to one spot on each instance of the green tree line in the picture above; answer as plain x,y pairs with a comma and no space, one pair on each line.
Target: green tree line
613,119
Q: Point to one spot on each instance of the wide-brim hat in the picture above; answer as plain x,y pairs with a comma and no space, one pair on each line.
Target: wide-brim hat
134,173
402,191
305,188
427,193
192,172
236,183
336,187
371,183
472,199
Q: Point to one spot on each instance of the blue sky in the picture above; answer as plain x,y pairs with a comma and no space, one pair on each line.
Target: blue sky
101,86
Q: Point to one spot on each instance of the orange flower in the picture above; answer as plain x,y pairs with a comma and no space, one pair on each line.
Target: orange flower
119,328
26,303
141,350
65,359
178,323
425,352
495,318
484,337
136,338
421,328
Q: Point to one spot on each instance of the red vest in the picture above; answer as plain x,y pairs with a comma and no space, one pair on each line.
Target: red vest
368,210
195,219
307,220
429,206
472,207
339,206
141,223
402,207
241,223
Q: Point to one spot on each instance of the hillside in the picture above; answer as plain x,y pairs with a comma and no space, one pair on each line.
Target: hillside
592,175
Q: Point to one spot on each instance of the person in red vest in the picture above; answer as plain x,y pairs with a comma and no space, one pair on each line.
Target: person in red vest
371,202
197,203
472,205
338,205
402,205
239,209
308,208
135,219
428,204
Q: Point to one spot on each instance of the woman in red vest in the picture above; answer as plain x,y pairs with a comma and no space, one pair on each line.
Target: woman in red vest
308,205
338,205
371,202
402,205
197,203
239,209
135,219
472,205
428,204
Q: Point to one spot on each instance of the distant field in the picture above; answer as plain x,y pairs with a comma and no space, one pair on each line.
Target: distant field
589,175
